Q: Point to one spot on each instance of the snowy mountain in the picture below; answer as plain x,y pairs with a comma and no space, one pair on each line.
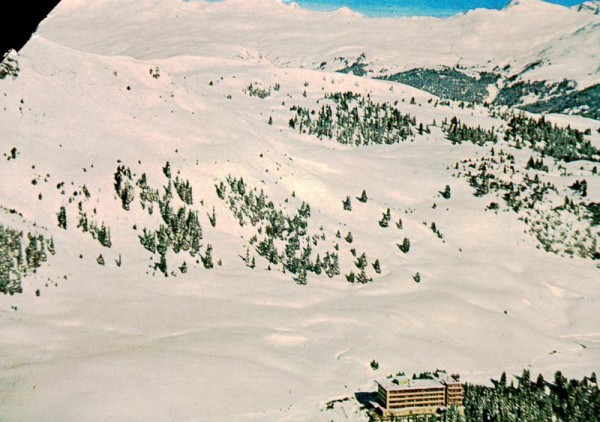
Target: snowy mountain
589,7
469,45
228,210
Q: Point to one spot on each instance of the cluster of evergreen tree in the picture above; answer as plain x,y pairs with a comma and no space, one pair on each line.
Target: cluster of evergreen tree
513,93
184,190
558,97
495,174
549,139
529,193
580,187
9,67
561,225
284,238
87,225
179,228
447,82
532,401
584,103
361,277
155,73
457,133
562,143
256,91
20,256
357,68
537,164
593,209
354,119
148,195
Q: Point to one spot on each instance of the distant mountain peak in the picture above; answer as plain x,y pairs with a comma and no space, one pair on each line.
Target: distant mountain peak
346,11
530,5
591,6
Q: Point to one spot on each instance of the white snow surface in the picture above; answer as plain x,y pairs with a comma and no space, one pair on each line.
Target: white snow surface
110,343
525,32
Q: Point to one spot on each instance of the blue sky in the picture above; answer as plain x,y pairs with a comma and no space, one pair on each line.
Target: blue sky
412,7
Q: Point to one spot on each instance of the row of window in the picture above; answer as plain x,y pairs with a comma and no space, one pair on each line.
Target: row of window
409,390
396,406
412,396
422,400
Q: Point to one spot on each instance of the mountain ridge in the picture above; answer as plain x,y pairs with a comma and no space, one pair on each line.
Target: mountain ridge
556,36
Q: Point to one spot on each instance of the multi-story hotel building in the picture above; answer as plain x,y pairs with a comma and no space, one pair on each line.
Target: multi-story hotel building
401,396
454,393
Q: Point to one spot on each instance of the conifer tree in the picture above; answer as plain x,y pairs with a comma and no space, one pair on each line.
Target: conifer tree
405,246
332,265
376,266
399,223
361,262
300,277
317,267
347,203
207,259
183,268
62,218
167,170
184,190
385,221
51,247
148,240
351,277
162,265
127,195
221,190
212,218
362,277
103,234
363,197
446,194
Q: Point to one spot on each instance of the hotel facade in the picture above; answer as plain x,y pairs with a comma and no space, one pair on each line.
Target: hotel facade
401,396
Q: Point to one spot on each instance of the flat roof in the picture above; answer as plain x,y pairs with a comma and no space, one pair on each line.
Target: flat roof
409,384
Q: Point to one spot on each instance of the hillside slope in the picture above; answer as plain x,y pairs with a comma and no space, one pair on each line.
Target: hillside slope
527,62
106,93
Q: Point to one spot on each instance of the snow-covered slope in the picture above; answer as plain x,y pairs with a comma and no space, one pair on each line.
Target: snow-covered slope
592,6
525,32
122,82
